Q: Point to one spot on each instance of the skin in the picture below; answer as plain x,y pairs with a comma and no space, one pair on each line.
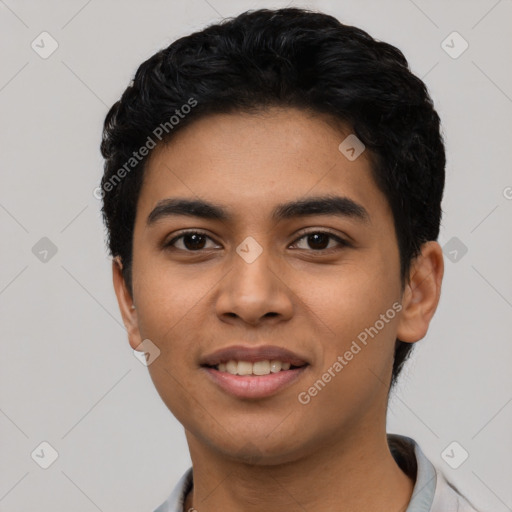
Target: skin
275,453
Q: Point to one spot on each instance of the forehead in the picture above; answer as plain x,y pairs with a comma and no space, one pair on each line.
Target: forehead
251,162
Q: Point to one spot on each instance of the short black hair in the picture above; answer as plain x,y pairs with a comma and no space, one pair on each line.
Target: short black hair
291,58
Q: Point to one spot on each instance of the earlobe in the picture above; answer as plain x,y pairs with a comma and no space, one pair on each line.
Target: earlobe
421,294
125,302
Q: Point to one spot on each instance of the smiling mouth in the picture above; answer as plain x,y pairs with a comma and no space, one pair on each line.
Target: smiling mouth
256,369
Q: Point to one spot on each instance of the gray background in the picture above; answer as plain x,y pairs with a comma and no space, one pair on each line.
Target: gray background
68,375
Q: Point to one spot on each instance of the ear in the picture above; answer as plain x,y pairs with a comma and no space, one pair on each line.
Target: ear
126,306
421,294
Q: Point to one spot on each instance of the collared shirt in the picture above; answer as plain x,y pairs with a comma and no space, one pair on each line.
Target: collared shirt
431,493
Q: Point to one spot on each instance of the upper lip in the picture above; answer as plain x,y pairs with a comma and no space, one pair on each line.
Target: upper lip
252,354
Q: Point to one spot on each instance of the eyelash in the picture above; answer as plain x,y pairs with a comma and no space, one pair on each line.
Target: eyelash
342,243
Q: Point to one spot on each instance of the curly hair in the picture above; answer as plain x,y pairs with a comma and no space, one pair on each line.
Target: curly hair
287,58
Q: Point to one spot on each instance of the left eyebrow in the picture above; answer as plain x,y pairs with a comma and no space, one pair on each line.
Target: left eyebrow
321,205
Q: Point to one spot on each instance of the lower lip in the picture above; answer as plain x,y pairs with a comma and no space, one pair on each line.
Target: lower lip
254,386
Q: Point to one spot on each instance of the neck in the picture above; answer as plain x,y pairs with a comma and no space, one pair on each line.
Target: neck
346,475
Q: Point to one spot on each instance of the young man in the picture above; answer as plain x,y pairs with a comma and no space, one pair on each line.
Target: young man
272,194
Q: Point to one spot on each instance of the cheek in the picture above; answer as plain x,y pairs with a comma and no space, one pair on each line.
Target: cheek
355,311
350,298
170,306
167,298
355,347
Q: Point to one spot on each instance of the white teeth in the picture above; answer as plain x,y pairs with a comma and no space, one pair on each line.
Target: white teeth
258,368
275,366
244,368
232,367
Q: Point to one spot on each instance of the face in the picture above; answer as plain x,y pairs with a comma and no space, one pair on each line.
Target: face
313,283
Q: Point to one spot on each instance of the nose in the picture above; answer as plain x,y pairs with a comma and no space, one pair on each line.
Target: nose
254,293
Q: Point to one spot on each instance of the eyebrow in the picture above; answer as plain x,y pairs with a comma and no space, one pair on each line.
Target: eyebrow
321,205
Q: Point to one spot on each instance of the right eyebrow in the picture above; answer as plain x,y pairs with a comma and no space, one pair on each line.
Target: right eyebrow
188,207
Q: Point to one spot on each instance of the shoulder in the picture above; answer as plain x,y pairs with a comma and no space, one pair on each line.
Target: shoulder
448,498
175,502
432,491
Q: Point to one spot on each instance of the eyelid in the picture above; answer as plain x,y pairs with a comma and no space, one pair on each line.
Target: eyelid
298,236
325,231
169,244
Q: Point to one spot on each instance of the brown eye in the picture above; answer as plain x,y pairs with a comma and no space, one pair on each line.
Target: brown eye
191,241
319,241
194,241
